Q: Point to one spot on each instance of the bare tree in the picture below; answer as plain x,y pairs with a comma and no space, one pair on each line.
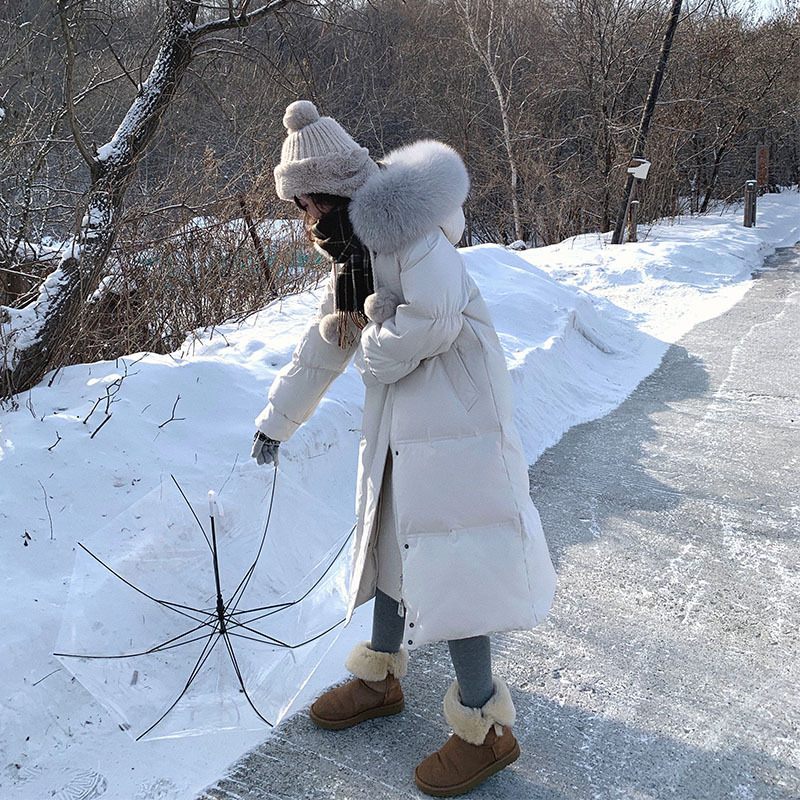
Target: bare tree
485,22
542,99
33,334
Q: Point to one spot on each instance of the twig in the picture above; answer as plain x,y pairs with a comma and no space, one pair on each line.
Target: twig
58,439
115,385
24,274
58,669
47,508
235,461
96,403
173,418
69,68
54,375
97,429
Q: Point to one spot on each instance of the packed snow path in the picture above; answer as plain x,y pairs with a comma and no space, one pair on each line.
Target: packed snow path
670,664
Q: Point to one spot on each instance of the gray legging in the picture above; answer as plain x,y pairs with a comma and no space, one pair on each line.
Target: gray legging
472,658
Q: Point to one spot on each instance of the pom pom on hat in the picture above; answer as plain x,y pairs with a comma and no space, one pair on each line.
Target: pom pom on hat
319,155
299,114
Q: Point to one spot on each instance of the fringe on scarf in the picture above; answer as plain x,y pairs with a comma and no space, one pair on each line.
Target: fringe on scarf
347,336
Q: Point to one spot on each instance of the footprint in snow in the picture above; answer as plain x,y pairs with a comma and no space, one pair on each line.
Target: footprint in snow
83,786
161,789
21,771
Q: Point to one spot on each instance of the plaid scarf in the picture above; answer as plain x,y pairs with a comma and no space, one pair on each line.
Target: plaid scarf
334,234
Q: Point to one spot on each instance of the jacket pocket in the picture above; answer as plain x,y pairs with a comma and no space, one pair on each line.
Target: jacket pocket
457,373
467,582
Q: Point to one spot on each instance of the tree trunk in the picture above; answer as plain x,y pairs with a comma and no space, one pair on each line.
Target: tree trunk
647,115
34,336
488,54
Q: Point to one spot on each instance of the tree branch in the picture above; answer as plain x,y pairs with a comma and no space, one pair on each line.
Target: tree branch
68,88
242,20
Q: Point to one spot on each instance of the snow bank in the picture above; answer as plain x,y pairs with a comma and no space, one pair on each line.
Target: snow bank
582,323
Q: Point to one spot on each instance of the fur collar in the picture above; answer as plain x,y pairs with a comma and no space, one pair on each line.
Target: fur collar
418,189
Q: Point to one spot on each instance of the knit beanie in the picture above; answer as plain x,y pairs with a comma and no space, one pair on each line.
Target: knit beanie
319,155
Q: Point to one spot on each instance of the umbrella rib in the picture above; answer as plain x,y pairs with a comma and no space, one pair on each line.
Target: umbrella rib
280,643
238,672
197,519
169,644
280,606
317,636
274,609
201,660
274,606
271,639
242,587
176,607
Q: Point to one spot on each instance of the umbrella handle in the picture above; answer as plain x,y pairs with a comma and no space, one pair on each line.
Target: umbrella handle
215,508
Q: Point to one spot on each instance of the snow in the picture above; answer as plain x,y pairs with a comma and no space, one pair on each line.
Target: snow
22,326
269,229
582,322
116,150
108,151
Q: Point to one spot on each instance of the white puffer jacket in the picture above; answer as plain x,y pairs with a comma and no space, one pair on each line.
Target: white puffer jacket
438,392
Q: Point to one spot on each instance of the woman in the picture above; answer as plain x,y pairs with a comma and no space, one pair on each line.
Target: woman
448,541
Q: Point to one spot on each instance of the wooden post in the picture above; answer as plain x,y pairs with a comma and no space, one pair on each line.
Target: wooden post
762,167
750,192
633,216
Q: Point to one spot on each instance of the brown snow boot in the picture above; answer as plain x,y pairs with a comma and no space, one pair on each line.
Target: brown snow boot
481,745
374,692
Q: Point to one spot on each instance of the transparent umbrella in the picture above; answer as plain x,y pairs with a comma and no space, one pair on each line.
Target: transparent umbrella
183,618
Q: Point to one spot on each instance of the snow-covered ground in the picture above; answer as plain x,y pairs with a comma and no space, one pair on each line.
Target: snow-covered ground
582,323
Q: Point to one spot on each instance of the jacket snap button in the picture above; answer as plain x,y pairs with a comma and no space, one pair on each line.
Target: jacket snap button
397,452
410,624
405,546
411,641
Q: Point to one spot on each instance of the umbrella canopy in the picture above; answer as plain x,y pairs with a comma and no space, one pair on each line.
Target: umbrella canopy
195,611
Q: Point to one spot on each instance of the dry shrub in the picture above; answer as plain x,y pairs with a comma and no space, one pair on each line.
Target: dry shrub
207,271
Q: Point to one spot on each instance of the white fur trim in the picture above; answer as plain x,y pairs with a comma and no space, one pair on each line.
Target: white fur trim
418,189
333,173
329,328
372,665
472,724
381,305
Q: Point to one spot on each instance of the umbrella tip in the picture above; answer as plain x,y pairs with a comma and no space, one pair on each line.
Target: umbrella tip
212,503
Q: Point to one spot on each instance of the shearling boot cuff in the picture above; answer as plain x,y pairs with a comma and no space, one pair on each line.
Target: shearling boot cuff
373,665
472,724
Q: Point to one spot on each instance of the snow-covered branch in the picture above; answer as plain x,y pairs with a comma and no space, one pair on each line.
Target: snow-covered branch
240,20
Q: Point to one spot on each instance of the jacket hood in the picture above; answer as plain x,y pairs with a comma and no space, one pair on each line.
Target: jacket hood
420,187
